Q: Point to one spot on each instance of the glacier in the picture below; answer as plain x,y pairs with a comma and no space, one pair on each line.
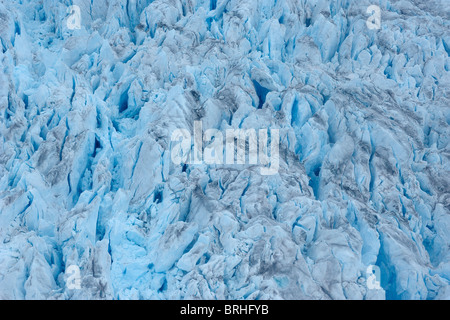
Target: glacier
86,178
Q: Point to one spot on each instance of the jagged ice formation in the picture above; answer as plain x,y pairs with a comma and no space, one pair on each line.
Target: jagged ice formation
86,176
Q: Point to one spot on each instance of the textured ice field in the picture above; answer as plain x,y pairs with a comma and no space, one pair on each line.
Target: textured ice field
89,189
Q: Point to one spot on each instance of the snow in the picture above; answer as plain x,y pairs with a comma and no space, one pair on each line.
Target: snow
87,177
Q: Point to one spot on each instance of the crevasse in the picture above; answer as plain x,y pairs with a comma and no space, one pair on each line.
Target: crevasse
86,177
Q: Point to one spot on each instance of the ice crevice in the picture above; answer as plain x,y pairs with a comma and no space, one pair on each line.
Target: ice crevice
86,177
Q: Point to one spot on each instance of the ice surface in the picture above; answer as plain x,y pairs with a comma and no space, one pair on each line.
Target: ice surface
86,177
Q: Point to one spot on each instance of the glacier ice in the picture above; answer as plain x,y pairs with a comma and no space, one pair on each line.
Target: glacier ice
86,177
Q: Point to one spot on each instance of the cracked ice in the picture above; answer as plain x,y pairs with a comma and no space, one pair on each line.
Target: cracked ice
86,177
